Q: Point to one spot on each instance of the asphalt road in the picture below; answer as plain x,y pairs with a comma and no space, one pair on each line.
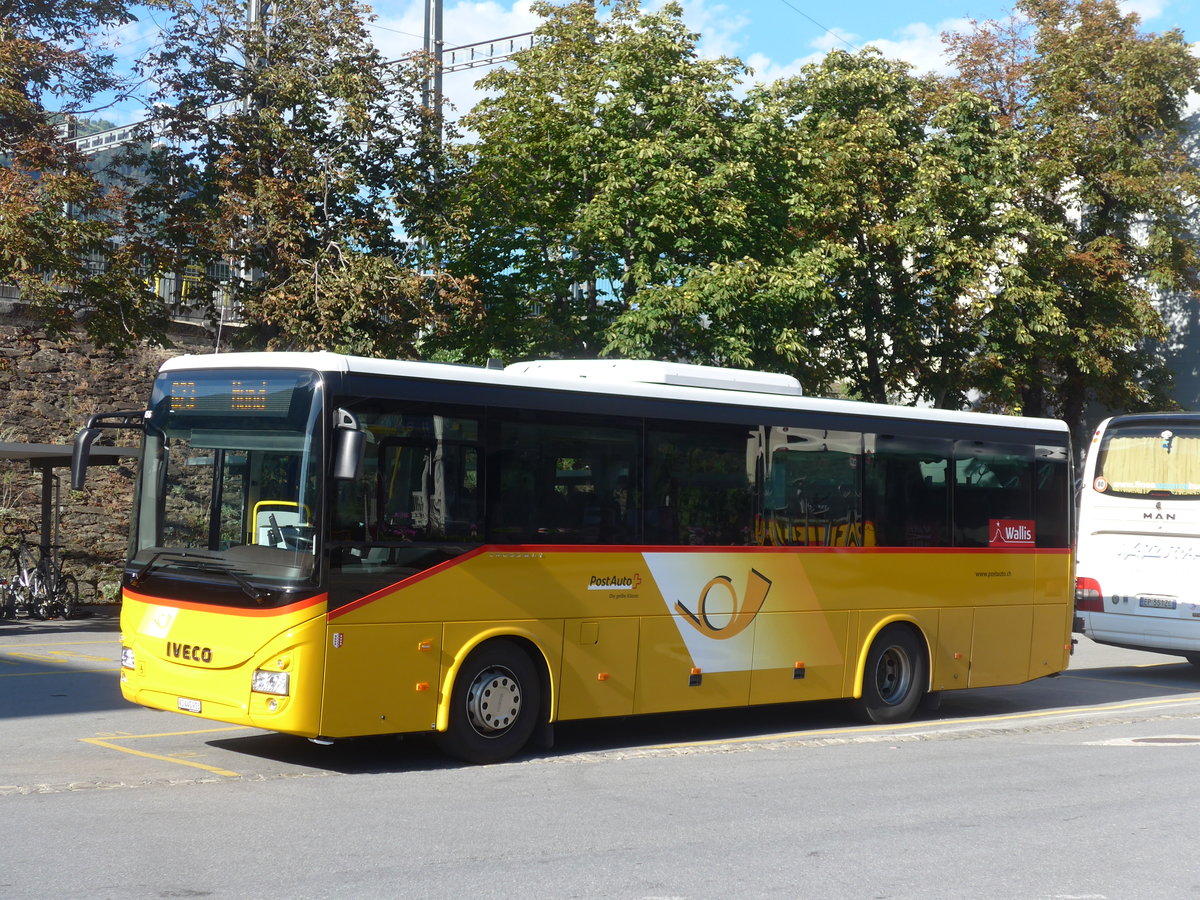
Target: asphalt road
1069,787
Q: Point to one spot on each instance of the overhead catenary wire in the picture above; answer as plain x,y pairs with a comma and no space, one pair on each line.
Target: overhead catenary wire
824,28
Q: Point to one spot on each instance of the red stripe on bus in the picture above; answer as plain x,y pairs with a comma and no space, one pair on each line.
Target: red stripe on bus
526,549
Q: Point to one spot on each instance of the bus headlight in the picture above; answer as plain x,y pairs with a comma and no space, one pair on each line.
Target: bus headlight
127,660
265,682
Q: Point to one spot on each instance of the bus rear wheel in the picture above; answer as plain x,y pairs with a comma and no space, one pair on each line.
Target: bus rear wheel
494,705
895,677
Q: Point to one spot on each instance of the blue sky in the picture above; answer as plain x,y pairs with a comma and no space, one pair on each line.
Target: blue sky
775,37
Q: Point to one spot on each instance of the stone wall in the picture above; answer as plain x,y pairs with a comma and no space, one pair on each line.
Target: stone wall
48,389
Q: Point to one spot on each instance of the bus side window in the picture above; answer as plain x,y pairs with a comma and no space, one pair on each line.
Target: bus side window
906,495
811,493
993,488
700,484
557,482
408,498
354,503
1052,503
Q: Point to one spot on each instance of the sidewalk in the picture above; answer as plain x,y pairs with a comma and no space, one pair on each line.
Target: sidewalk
97,611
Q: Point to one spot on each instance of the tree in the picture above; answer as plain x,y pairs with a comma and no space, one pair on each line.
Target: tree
893,194
288,157
1097,109
67,240
605,162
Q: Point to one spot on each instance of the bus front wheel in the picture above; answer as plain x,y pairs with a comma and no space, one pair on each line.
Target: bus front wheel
494,704
895,677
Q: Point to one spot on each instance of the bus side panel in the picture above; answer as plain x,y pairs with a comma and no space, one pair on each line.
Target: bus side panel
666,681
1000,646
1054,615
380,679
1054,582
818,643
599,668
1050,650
952,650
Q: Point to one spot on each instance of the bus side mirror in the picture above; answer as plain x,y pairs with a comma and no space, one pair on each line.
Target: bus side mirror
81,447
349,448
81,453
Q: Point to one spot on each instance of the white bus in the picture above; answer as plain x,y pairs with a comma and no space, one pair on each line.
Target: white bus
1138,545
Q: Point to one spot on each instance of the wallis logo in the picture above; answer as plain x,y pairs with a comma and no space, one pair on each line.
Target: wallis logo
1011,533
720,612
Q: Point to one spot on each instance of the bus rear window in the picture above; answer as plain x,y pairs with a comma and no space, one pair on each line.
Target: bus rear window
1147,460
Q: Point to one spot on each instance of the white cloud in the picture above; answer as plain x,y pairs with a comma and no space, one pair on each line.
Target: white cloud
921,45
1147,9
918,44
720,29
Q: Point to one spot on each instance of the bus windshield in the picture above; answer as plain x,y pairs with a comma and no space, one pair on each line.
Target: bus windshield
1149,460
230,483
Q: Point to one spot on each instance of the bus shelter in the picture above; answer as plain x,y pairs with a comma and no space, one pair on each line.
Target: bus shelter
45,458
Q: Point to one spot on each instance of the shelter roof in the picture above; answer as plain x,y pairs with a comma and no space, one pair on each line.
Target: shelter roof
52,456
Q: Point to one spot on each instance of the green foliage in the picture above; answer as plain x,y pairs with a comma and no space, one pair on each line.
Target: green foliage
605,162
302,184
67,240
1097,110
912,239
893,202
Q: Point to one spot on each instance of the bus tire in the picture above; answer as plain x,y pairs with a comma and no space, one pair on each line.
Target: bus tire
494,705
895,677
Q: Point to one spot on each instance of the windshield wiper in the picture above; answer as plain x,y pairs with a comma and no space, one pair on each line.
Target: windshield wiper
198,563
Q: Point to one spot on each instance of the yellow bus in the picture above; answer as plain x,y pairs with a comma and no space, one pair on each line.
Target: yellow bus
331,547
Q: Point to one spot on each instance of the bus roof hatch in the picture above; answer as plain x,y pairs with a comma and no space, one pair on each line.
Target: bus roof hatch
649,371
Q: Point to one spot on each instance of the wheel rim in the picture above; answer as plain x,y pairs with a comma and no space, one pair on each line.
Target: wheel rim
494,701
893,675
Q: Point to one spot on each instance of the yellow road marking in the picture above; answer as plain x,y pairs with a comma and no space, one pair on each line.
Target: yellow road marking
55,655
53,672
101,742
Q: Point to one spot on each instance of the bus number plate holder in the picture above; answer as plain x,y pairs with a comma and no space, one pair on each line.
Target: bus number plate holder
188,705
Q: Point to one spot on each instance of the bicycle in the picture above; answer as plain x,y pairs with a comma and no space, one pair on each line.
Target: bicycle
8,583
37,583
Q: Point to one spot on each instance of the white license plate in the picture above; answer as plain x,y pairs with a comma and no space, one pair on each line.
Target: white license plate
1156,602
187,705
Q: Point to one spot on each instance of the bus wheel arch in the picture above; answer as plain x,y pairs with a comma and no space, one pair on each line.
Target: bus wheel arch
498,696
894,674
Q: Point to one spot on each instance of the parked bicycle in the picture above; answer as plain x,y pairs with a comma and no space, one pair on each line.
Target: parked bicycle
32,579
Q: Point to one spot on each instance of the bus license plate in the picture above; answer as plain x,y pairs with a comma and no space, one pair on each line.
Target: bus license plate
187,705
1157,602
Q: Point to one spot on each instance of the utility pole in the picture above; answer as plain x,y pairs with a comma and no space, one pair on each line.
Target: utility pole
431,93
256,14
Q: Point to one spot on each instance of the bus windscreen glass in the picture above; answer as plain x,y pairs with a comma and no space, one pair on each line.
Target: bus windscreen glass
1149,460
230,482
